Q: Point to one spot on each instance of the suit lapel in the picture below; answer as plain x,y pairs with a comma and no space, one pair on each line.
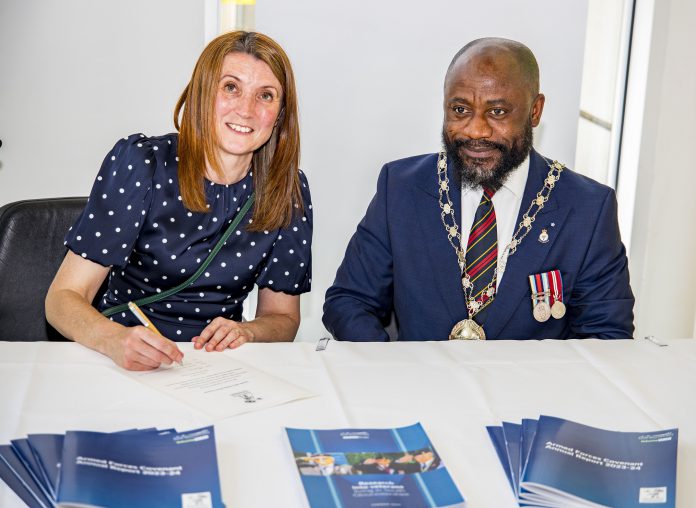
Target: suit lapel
531,254
443,259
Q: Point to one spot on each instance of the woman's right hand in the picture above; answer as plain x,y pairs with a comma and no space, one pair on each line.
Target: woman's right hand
139,348
69,310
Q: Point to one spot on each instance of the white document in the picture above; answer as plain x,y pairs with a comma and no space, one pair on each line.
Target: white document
220,386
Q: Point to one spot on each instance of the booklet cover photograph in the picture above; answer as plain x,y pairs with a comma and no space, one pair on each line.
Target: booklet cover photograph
366,468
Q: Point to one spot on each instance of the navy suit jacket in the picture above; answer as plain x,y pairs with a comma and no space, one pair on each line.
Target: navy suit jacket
400,261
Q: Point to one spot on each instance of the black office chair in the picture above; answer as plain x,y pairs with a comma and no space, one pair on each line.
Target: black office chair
31,250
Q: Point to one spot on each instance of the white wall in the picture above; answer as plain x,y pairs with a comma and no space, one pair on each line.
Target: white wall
370,78
663,273
78,74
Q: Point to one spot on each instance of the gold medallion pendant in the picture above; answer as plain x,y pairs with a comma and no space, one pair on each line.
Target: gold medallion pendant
467,329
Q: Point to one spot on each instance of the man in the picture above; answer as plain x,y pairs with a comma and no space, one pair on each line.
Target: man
487,239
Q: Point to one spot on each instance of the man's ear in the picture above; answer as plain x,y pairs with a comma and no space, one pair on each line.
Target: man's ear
537,109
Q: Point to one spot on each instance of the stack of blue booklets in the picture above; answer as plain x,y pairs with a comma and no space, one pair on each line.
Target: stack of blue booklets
368,468
552,462
133,468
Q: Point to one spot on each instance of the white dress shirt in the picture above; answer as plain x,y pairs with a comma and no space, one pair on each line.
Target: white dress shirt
506,202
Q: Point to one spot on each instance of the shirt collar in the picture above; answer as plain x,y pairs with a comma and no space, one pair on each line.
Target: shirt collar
517,180
515,183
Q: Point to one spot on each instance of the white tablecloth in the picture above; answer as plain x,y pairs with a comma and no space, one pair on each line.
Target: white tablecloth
454,389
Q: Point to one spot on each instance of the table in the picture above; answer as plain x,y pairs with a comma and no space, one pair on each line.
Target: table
454,389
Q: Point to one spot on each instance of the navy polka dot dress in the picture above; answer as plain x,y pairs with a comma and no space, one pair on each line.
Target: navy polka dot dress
135,223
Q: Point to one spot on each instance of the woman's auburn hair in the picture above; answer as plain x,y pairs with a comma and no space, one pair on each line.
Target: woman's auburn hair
275,164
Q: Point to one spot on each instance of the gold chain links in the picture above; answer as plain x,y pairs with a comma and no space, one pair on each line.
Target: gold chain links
449,221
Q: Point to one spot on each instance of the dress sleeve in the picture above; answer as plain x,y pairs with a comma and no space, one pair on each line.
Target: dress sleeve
289,265
109,226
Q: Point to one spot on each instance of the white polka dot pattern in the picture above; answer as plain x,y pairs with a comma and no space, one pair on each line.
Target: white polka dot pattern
143,218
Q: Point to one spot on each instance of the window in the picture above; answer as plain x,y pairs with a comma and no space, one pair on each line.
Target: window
605,67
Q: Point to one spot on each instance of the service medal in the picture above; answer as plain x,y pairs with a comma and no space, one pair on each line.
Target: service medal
541,306
558,309
467,329
542,311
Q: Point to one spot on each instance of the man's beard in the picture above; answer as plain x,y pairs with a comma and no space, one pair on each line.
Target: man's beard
469,173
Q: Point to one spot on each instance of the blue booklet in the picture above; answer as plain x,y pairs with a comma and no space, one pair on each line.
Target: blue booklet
18,477
25,454
47,449
512,433
563,463
140,469
498,440
367,468
134,467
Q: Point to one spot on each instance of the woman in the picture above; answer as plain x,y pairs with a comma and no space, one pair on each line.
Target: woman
160,206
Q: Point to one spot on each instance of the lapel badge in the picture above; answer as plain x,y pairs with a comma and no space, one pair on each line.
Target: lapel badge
543,236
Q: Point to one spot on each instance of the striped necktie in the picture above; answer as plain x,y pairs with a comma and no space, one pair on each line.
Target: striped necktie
482,253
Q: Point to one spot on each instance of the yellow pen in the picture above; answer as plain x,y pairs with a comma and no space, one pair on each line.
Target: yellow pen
145,321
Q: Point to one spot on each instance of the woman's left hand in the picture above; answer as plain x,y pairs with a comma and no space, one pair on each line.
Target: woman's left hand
223,333
277,319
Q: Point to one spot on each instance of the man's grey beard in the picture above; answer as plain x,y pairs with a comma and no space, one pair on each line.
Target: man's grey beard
469,174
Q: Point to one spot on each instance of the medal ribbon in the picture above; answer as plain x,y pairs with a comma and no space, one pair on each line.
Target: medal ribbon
548,296
539,284
557,286
533,287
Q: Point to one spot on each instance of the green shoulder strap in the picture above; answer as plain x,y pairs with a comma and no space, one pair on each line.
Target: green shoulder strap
165,294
